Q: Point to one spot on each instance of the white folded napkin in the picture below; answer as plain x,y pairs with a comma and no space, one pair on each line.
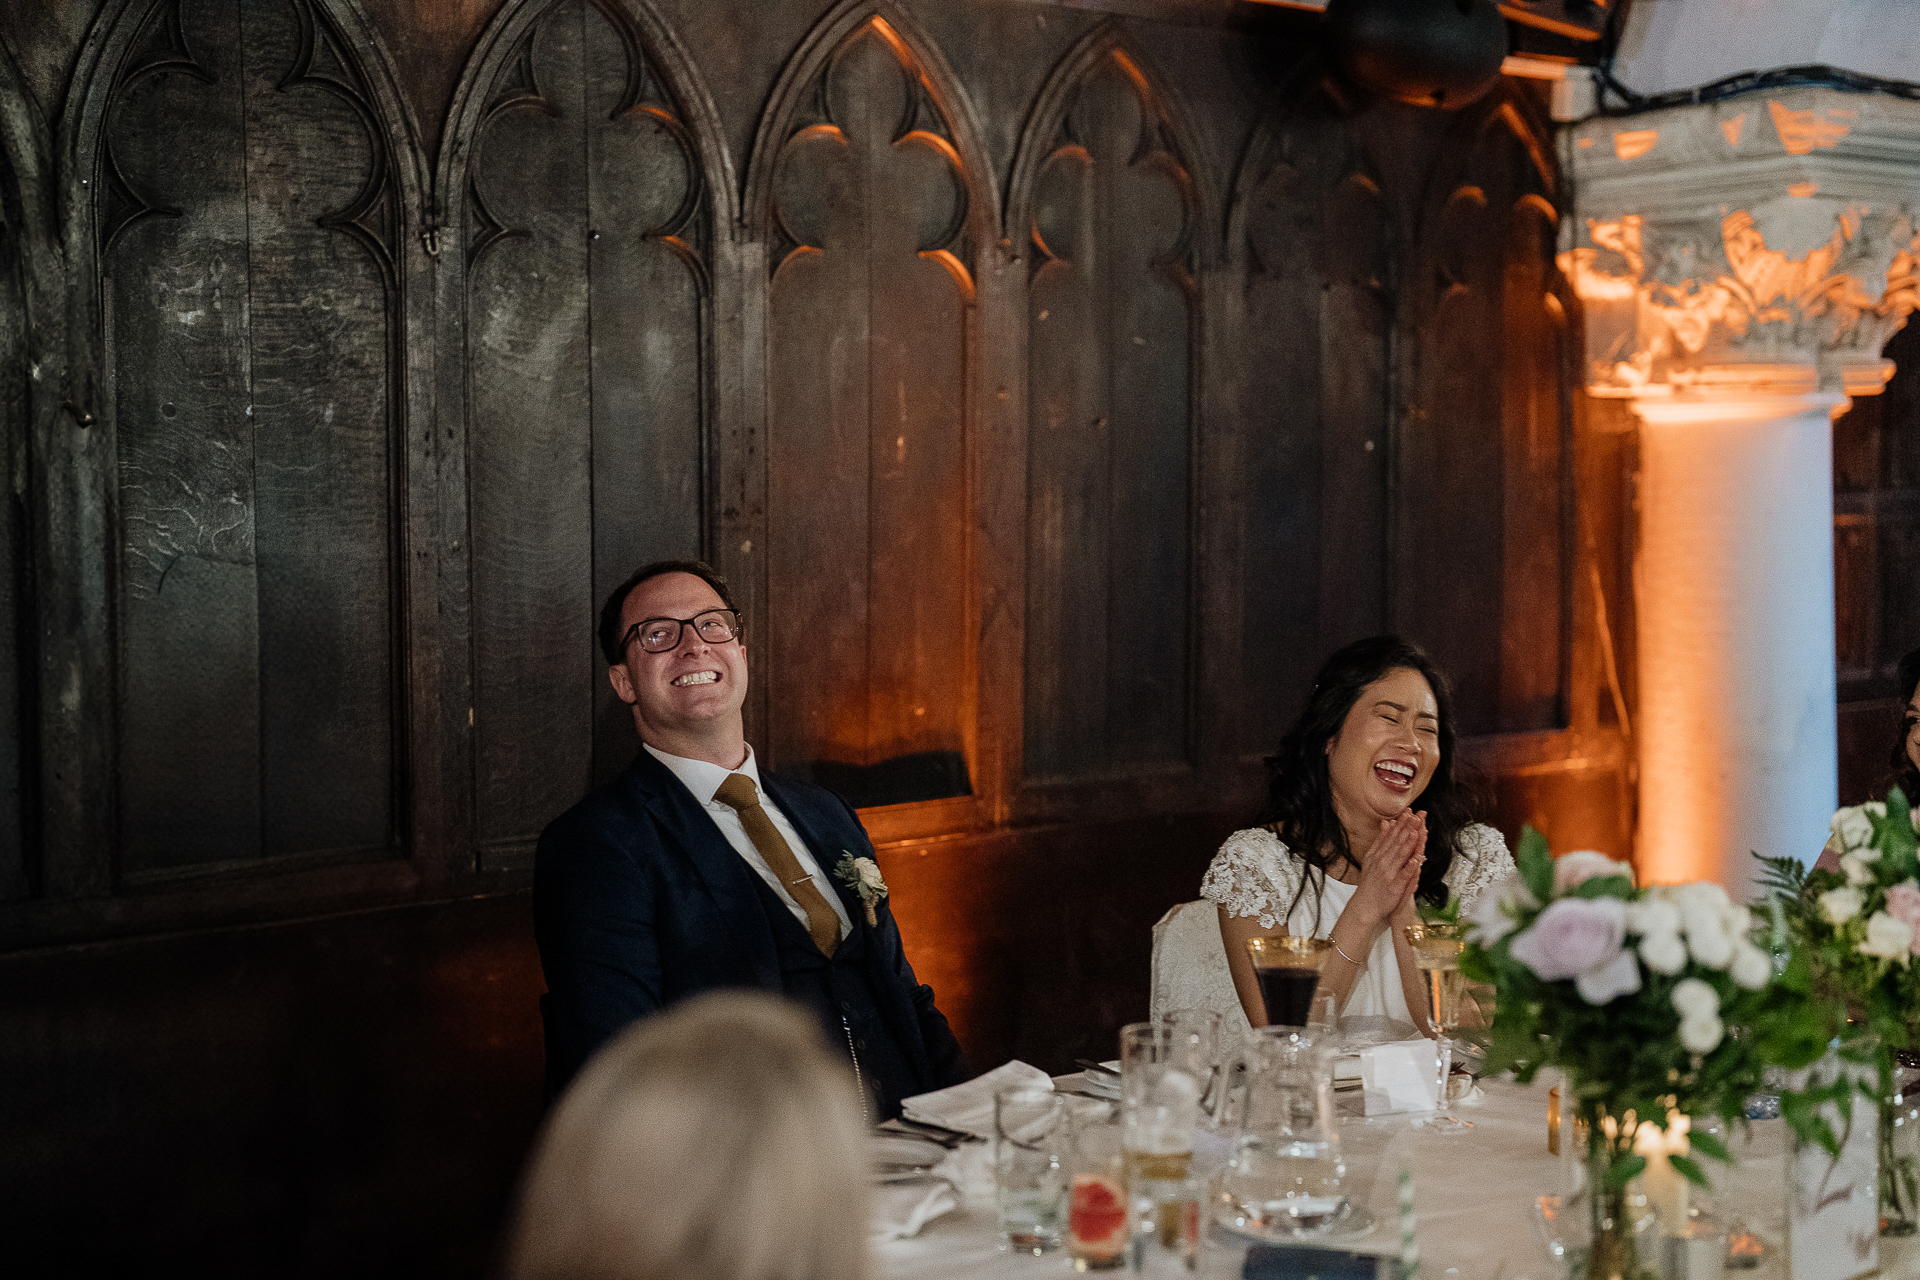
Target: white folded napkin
901,1210
969,1107
1399,1076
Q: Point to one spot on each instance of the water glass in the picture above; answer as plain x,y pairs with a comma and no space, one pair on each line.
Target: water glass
1162,1083
1097,1207
1029,1182
1166,1227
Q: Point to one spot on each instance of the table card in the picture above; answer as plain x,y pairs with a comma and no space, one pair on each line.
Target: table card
1399,1077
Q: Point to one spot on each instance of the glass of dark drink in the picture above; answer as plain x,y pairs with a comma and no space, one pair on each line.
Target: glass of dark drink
1288,969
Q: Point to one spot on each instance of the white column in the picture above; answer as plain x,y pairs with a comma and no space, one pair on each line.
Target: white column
1735,632
1741,265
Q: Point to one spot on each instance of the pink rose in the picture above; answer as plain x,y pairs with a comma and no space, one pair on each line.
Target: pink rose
1572,936
1903,903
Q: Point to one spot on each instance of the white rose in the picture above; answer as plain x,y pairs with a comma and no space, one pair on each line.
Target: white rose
1887,938
1840,905
1878,808
869,873
1736,921
1491,912
1571,869
1663,952
1698,895
1710,944
1651,917
1854,868
1701,1035
1695,999
1751,968
1851,827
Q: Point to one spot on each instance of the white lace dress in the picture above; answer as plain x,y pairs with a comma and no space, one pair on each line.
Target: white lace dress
1255,874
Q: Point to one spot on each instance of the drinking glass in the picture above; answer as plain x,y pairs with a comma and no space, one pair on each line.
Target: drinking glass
1166,1227
1097,1210
1324,1020
1163,1080
1288,969
1436,950
1027,1178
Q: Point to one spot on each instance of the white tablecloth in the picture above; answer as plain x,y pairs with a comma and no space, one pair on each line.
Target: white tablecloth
1474,1194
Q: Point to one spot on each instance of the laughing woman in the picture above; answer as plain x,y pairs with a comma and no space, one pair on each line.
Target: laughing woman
1363,816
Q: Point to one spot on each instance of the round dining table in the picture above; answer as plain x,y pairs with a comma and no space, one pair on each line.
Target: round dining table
1477,1202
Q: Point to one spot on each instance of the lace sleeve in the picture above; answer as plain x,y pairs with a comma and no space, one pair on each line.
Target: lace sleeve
1479,859
1254,874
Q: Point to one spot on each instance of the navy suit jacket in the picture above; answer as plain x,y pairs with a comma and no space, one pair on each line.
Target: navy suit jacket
640,902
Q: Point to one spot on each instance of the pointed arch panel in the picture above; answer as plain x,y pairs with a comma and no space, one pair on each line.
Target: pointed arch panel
874,214
247,216
1485,477
1319,239
585,224
1105,203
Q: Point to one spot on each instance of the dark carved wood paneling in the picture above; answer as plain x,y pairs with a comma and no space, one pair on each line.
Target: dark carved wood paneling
247,228
586,233
869,379
16,560
1105,201
1320,247
1481,511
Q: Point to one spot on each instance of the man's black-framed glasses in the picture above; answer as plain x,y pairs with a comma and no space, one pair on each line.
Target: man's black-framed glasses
658,635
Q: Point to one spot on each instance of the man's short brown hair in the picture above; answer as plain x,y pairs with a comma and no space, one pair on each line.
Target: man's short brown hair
610,632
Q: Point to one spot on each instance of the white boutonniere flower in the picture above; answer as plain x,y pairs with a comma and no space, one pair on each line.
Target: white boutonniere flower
862,877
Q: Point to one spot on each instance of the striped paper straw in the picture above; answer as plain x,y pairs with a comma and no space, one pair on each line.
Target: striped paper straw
1409,1247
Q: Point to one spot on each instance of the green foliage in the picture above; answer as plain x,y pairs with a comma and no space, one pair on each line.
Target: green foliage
1711,1147
1688,1170
1625,1057
1625,1170
1536,864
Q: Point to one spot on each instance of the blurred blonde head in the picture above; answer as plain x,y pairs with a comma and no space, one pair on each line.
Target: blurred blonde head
717,1141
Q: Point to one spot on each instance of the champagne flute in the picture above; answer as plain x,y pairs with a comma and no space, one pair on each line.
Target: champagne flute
1436,950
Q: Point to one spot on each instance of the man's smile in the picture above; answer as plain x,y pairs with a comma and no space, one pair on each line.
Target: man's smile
696,677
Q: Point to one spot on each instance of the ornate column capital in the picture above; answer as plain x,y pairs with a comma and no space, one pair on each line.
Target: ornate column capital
1764,244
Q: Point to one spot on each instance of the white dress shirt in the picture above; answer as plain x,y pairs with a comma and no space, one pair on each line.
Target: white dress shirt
703,779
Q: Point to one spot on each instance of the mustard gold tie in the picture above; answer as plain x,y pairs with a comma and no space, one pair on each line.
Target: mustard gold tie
739,794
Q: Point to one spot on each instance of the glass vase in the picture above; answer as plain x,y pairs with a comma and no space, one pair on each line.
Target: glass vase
1900,1149
1615,1215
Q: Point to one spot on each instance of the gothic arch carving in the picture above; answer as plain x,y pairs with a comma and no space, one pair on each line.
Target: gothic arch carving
1108,213
584,191
943,115
869,189
240,199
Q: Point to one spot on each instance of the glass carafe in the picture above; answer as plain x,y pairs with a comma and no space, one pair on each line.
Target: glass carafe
1284,1176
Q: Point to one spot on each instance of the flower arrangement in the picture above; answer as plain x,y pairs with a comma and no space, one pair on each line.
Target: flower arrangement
1631,993
1859,929
1860,926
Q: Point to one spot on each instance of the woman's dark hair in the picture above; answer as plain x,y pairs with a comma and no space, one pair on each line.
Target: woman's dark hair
1906,775
1299,806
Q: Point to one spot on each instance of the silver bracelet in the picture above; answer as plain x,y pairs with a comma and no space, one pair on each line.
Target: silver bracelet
1344,956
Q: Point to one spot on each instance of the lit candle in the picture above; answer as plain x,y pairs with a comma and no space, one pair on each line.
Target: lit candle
1666,1188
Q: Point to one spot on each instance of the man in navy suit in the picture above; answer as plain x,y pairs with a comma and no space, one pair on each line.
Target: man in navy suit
693,870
